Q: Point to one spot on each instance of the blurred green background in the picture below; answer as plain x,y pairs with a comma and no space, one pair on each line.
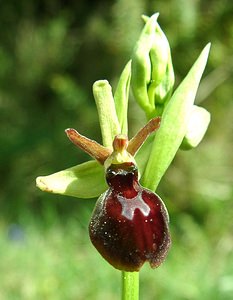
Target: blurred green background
50,55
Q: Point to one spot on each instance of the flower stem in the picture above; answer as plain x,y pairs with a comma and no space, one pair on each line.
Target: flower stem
130,285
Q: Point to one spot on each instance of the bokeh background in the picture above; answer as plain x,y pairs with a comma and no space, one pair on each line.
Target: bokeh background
51,52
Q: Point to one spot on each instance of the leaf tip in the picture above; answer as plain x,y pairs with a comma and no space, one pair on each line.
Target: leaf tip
41,184
207,49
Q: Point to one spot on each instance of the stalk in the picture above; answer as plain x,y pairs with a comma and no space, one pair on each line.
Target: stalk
130,285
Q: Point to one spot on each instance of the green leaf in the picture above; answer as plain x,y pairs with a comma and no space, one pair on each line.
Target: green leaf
121,97
109,123
86,180
197,126
174,124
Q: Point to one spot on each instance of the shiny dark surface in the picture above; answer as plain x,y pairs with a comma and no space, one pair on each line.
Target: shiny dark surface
129,224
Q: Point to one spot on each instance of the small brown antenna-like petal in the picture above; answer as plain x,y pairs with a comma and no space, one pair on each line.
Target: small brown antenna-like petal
94,149
136,142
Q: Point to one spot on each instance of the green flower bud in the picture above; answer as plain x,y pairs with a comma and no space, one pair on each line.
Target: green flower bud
152,70
141,65
197,126
162,75
173,125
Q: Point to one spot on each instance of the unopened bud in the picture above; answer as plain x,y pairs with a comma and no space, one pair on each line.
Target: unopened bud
152,70
162,75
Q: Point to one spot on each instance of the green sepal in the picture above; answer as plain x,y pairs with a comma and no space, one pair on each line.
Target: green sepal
86,180
121,97
108,119
174,124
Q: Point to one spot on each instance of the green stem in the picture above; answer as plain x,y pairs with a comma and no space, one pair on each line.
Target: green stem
130,285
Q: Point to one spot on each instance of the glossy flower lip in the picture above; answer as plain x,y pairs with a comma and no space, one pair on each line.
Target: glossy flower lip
129,224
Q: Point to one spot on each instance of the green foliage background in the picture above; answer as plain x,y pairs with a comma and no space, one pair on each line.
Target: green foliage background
50,55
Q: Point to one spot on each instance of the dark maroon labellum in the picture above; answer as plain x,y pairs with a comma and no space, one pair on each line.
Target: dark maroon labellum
129,224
